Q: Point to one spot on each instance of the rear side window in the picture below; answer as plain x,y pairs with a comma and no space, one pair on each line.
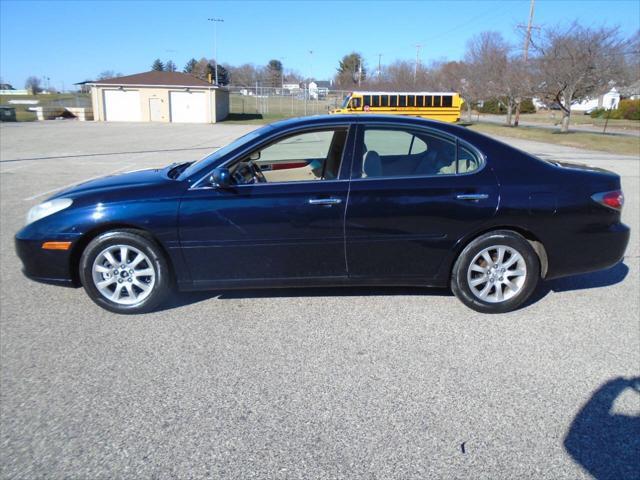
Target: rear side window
402,101
402,153
375,101
447,101
467,160
411,100
419,101
367,99
384,100
436,100
428,102
393,101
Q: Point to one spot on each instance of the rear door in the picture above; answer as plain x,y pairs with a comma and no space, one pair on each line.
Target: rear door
414,193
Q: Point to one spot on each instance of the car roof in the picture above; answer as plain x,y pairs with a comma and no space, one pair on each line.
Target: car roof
340,119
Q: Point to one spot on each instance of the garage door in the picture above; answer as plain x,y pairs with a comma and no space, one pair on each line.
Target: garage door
188,107
122,106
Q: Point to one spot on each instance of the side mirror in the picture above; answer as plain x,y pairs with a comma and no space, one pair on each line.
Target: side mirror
220,177
255,156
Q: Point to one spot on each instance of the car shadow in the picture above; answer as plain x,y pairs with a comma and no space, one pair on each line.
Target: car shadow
181,299
602,278
604,441
611,276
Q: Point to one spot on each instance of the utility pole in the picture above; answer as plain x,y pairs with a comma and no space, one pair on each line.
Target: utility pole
215,44
379,66
525,55
415,70
359,70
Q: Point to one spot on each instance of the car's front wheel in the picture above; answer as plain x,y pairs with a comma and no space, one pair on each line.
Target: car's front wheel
496,273
125,272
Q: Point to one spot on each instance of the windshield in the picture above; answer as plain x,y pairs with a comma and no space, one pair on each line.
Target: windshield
345,102
221,152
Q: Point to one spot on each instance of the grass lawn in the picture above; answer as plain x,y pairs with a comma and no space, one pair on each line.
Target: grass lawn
622,145
552,117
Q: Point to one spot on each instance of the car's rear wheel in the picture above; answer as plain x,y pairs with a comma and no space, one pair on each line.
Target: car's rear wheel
125,272
496,272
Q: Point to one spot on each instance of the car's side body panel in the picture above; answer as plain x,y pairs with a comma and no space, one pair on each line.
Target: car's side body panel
384,231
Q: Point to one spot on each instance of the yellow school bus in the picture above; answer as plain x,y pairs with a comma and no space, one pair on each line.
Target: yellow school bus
443,106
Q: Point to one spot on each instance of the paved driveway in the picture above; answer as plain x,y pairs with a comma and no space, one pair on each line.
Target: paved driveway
311,383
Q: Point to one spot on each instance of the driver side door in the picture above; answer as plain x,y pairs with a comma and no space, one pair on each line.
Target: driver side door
288,229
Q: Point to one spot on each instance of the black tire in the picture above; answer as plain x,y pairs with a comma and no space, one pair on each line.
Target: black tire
460,279
160,287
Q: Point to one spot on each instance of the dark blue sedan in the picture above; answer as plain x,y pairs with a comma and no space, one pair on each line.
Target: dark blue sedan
332,200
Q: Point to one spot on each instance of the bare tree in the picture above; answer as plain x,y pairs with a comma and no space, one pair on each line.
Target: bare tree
33,83
107,74
576,62
458,77
246,75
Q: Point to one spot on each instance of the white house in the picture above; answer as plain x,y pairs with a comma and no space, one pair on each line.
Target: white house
609,100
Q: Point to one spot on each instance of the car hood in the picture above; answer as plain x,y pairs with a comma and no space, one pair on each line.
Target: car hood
119,181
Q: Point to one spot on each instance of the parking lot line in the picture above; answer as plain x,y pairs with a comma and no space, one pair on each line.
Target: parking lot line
33,197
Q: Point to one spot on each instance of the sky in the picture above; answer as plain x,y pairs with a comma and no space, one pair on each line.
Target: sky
73,41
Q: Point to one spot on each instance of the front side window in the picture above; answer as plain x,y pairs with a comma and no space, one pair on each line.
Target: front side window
402,153
367,99
384,100
356,103
308,156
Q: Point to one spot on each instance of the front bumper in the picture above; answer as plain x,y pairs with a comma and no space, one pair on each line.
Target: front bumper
47,266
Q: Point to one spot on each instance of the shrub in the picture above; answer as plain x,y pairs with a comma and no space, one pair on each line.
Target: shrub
629,109
597,112
494,106
527,106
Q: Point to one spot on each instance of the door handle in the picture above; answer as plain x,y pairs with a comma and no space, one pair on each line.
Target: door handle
472,196
325,201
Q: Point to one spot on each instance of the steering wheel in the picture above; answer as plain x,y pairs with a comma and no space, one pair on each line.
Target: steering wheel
257,172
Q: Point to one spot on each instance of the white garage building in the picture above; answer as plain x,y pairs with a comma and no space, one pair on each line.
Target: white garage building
159,97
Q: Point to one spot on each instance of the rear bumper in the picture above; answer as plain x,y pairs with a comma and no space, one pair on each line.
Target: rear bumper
588,251
47,266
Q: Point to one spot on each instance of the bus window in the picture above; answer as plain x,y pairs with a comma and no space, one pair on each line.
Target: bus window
436,100
375,101
384,100
393,100
411,101
355,104
403,101
428,101
366,100
419,101
447,101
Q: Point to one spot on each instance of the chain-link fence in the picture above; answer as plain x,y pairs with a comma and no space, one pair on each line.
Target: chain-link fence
294,102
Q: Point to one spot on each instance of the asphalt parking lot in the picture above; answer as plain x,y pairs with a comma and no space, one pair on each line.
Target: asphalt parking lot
311,383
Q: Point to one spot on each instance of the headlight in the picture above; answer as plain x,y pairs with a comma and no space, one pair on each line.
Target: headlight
47,208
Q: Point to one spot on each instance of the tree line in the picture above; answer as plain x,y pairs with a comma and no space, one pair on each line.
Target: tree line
565,65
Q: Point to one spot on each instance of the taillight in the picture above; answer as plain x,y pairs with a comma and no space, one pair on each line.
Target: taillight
613,199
